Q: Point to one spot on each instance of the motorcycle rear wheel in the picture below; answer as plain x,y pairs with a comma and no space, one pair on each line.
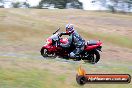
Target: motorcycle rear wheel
96,57
93,57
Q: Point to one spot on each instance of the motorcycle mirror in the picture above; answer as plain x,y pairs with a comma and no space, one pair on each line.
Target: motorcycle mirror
56,30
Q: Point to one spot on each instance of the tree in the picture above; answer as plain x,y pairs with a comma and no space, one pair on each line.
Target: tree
129,2
75,4
113,6
123,5
60,3
103,2
26,4
117,5
1,4
16,4
1,1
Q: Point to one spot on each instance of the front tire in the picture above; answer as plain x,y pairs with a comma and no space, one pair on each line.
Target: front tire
44,52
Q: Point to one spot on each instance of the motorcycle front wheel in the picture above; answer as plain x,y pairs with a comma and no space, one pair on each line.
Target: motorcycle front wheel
45,54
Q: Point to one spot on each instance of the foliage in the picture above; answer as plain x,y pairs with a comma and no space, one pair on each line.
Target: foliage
61,3
16,4
1,0
20,4
117,5
26,4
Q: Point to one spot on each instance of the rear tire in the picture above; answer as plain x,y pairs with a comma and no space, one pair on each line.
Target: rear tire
95,57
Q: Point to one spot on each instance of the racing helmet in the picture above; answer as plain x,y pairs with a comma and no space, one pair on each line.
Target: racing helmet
69,28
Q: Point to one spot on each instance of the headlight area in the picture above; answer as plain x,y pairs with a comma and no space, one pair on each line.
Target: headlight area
49,41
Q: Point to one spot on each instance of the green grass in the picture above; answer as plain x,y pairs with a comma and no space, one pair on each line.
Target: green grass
33,73
16,76
118,40
41,21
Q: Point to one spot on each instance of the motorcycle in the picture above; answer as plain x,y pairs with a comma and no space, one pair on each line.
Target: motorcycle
53,49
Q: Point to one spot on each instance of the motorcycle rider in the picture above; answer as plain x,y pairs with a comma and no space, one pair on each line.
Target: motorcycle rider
74,39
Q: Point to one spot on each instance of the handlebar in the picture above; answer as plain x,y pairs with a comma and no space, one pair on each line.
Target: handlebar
56,31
